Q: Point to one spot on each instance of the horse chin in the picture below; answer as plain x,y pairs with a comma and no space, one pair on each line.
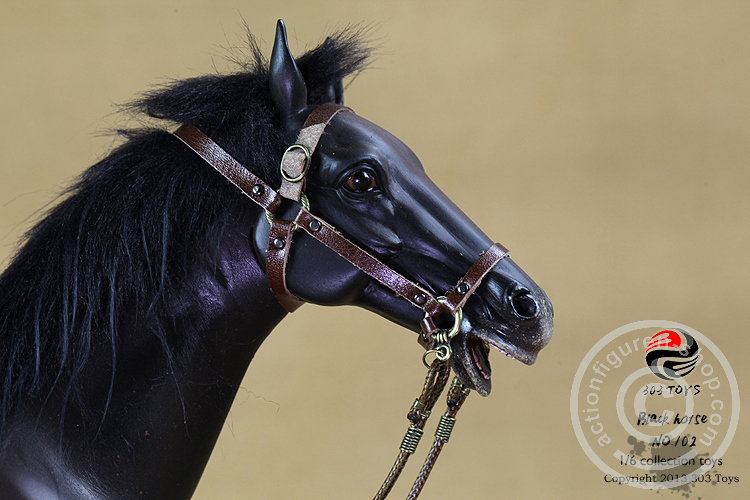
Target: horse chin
471,349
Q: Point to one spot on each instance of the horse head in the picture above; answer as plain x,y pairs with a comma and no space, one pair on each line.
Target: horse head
372,188
132,310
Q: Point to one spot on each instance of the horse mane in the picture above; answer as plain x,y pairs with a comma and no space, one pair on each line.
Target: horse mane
126,232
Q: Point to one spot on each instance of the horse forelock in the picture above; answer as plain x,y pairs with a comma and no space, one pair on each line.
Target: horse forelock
126,232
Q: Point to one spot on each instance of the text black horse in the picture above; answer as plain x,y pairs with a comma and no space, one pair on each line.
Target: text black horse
130,315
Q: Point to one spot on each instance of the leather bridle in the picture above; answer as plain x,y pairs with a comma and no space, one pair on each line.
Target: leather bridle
295,165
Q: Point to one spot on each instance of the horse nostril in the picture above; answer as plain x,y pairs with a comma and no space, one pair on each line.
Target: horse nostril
524,304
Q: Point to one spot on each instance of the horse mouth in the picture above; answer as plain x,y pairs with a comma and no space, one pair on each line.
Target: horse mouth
471,349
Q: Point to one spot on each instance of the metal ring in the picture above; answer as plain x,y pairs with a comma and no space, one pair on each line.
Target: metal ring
305,204
442,352
305,168
457,319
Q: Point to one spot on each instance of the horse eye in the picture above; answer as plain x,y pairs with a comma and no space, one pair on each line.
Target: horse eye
361,181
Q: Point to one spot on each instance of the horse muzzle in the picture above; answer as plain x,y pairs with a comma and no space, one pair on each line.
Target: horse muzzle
509,313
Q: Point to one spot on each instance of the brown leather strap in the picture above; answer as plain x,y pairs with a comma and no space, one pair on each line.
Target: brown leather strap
326,234
471,280
463,290
250,184
296,159
294,165
279,243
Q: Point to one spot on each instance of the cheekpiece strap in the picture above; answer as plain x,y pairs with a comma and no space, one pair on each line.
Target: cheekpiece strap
294,167
296,160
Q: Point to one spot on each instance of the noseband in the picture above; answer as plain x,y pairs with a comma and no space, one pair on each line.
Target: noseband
295,165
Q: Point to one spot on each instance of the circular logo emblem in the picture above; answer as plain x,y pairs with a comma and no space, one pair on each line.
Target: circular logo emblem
663,425
672,354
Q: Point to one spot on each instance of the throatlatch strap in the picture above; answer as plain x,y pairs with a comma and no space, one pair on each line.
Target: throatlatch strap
279,244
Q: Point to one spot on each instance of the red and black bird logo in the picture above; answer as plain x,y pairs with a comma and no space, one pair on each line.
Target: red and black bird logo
672,354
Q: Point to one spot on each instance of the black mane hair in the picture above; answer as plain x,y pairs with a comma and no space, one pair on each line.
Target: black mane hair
127,230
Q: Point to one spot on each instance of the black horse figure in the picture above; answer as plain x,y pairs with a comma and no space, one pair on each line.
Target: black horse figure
130,315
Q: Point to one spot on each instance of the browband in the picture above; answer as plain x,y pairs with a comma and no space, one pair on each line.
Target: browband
295,163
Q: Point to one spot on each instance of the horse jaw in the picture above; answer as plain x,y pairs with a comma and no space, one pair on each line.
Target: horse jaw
471,347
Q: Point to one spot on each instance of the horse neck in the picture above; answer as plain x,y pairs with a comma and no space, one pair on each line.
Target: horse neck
153,429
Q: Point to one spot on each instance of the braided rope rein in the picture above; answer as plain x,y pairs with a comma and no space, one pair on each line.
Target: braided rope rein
436,380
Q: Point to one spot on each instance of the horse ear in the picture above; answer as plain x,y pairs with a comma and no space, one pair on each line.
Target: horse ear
288,89
334,92
338,92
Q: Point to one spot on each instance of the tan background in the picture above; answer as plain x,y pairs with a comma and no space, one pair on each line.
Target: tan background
605,143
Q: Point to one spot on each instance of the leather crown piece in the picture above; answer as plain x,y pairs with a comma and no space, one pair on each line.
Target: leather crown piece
295,163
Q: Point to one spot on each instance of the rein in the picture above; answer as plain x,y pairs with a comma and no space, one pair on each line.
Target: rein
295,165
